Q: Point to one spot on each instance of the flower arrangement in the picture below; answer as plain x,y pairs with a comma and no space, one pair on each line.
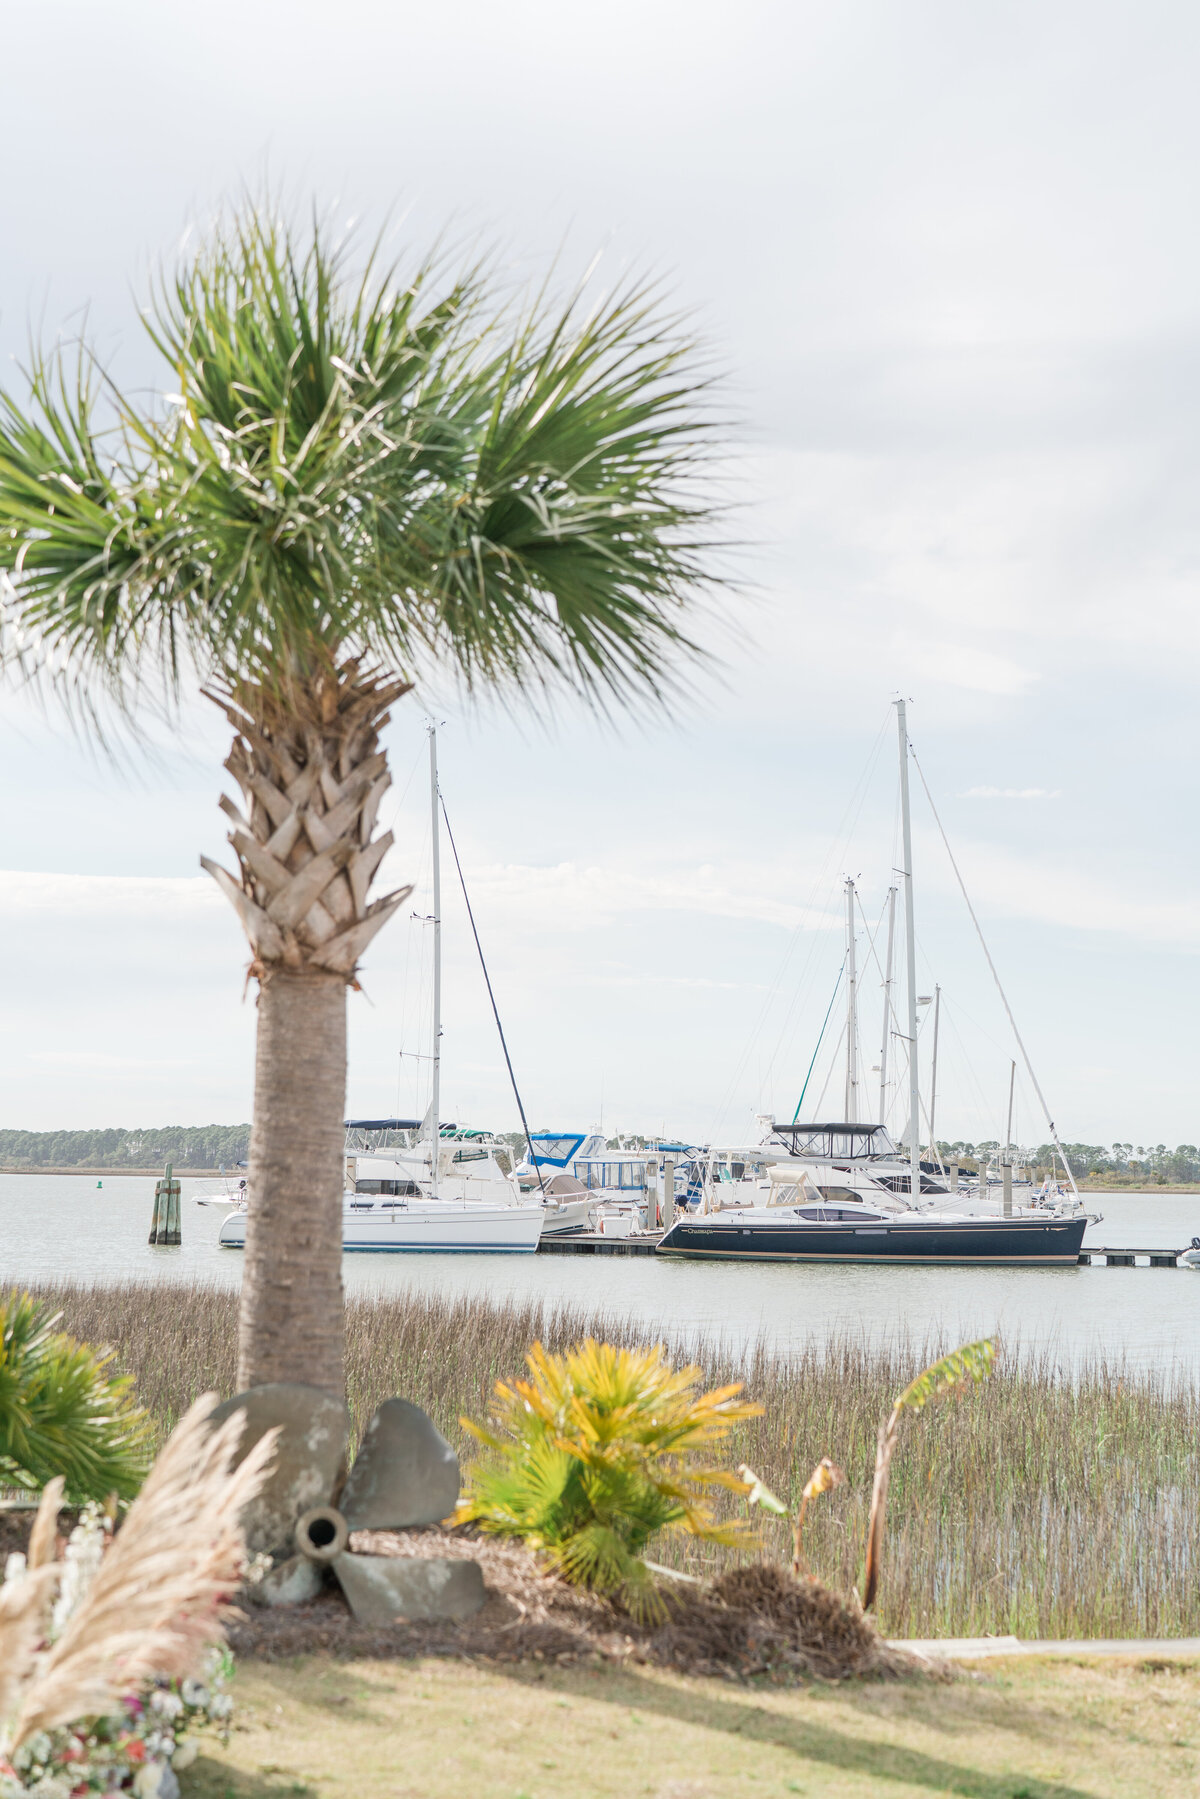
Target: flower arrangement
112,1655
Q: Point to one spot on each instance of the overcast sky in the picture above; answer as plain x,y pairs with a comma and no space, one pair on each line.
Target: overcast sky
948,257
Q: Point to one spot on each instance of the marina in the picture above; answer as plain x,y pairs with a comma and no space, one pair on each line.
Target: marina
62,1229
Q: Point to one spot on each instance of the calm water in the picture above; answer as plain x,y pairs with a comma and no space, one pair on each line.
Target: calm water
65,1227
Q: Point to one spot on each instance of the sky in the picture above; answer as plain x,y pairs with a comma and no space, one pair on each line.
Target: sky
946,259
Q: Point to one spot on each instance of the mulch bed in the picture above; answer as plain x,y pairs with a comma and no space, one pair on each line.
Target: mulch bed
753,1621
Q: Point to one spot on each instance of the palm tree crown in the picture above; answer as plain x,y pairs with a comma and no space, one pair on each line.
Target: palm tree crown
372,467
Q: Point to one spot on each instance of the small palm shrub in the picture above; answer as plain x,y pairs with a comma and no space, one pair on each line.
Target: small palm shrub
62,1413
597,1451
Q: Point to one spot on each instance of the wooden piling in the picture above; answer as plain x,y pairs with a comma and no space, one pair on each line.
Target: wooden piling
166,1224
668,1203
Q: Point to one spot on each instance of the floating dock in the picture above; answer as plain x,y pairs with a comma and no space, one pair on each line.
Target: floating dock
593,1243
644,1243
1129,1258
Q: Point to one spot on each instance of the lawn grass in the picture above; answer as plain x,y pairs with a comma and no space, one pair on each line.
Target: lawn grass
440,1730
1044,1504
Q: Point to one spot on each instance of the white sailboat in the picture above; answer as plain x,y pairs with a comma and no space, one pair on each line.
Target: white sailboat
847,1148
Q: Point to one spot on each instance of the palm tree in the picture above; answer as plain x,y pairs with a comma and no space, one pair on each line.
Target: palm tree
355,479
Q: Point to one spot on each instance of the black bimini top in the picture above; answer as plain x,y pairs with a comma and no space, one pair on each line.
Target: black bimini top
806,1130
384,1124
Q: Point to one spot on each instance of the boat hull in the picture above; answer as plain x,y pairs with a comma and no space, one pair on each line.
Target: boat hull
432,1228
1049,1242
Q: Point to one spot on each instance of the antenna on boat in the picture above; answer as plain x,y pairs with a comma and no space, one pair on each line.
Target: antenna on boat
887,1006
851,1011
910,946
436,1094
937,1011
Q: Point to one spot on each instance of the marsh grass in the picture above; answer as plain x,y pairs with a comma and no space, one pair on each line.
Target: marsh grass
1044,1504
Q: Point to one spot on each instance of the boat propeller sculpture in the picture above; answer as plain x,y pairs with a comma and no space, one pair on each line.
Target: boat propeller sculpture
405,1475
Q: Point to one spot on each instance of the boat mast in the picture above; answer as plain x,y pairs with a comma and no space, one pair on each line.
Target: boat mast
851,1012
435,1099
910,948
937,1008
1012,1081
887,1006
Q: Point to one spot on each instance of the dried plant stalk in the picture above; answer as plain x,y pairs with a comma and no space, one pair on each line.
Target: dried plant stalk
824,1477
163,1589
25,1603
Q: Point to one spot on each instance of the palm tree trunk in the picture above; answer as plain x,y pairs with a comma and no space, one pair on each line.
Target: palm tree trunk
291,1321
307,758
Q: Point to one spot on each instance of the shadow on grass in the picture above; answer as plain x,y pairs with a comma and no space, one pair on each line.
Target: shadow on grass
207,1779
808,1740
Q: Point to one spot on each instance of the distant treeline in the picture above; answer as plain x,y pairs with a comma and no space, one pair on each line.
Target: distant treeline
183,1145
1125,1161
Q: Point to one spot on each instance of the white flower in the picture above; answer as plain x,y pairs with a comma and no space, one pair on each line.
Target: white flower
167,1704
194,1692
186,1754
52,1786
80,1564
14,1566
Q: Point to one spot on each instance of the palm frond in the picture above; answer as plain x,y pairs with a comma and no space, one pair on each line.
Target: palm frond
960,1369
398,467
62,1412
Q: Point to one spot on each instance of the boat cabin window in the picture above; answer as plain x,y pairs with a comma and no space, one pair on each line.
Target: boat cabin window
611,1174
470,1155
837,1215
404,1189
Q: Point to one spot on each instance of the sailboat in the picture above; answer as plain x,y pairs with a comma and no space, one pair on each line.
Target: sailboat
842,1190
445,1193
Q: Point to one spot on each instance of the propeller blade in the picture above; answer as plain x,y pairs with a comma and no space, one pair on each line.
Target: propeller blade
405,1473
384,1588
309,1455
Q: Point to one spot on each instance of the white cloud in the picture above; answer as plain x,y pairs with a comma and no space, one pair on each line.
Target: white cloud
978,669
1011,793
1003,880
572,897
96,896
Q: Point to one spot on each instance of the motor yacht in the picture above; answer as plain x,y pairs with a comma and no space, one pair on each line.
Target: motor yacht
390,1201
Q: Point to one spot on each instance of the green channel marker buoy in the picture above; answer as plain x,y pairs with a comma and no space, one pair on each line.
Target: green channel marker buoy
99,1183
